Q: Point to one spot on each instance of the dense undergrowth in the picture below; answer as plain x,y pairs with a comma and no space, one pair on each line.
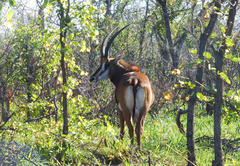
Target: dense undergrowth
92,142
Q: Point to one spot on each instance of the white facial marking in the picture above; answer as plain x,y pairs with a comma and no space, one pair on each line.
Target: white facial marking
103,76
140,98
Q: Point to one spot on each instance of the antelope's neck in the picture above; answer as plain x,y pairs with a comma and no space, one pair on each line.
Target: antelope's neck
115,78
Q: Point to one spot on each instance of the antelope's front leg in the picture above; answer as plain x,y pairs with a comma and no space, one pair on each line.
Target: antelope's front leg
122,124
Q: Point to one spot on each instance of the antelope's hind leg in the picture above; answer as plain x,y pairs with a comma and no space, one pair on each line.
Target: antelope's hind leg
122,124
139,131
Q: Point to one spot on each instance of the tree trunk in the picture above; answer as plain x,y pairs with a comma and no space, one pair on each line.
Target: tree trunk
142,32
219,86
109,4
63,33
174,55
199,77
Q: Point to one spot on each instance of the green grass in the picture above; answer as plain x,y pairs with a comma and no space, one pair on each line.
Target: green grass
90,142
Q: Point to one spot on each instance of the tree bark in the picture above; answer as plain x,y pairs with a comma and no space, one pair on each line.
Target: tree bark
174,55
142,32
64,20
109,4
199,77
219,86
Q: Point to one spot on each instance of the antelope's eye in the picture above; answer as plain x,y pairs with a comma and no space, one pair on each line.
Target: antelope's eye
107,64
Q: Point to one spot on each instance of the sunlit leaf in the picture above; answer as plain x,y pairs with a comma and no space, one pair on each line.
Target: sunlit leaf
167,95
213,35
200,96
9,15
207,55
235,59
223,29
229,42
207,15
228,56
176,72
193,51
225,77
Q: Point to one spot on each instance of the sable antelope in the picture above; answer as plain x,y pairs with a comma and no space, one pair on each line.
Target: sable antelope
134,94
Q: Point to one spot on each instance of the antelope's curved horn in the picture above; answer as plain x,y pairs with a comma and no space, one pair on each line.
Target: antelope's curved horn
105,42
111,40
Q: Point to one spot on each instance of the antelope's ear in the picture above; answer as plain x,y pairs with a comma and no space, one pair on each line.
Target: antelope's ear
119,56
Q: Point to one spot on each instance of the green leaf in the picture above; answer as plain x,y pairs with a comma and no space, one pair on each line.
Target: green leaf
225,77
207,55
213,91
228,56
201,96
192,86
193,51
213,35
231,93
12,3
75,43
223,29
235,59
9,15
191,64
208,88
229,42
238,104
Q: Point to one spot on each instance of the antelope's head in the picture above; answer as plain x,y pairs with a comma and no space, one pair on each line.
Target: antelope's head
107,64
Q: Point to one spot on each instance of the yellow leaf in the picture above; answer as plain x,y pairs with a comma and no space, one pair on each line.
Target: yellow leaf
207,15
9,15
176,72
168,96
83,73
83,48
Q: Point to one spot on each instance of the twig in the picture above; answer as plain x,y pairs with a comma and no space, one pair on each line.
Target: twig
56,160
179,154
29,160
1,127
40,118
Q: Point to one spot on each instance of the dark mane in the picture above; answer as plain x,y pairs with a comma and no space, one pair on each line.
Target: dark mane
129,66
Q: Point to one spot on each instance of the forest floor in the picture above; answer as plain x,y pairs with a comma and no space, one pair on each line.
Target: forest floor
91,143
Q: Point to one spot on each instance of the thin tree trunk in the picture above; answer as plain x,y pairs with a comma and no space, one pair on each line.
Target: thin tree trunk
63,33
109,4
199,77
142,32
64,20
219,86
174,55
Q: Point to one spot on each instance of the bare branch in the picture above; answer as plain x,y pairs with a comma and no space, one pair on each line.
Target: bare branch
178,121
40,118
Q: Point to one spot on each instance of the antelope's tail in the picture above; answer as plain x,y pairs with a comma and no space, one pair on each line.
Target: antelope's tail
135,113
